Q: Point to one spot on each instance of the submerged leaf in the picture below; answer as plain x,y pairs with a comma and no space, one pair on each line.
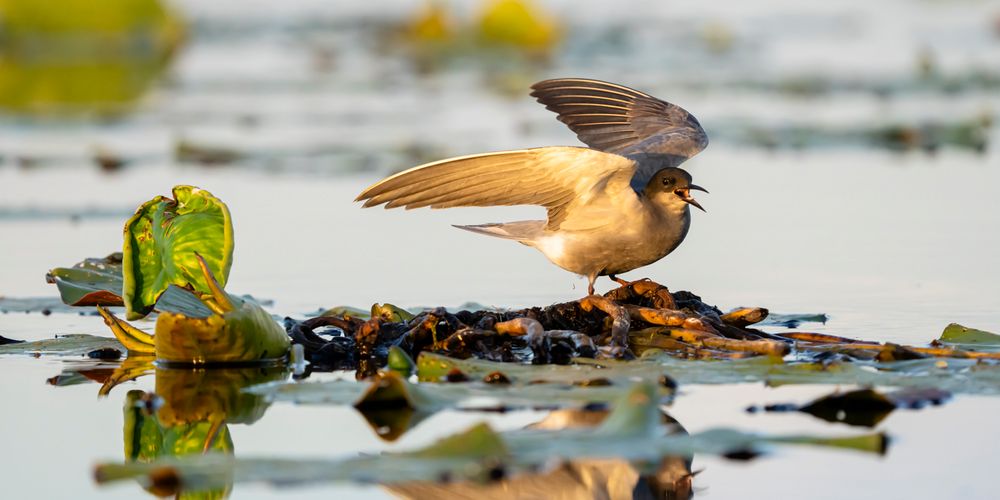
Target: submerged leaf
163,241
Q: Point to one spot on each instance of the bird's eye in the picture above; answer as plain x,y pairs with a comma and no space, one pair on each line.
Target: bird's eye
667,181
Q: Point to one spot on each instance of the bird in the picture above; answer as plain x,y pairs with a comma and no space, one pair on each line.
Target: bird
617,205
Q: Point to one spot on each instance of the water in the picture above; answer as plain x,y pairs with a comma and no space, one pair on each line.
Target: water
893,246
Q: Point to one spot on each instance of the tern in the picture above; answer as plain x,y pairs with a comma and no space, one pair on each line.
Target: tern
620,204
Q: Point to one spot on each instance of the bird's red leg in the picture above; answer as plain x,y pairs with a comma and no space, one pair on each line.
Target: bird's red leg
590,284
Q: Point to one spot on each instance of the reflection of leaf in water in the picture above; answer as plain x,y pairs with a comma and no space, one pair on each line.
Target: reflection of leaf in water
190,414
194,395
632,432
863,407
390,393
83,57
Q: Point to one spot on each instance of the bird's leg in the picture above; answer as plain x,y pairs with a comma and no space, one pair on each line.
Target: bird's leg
618,280
590,283
643,292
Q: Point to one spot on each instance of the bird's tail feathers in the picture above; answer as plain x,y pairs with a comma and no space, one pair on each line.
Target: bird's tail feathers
523,231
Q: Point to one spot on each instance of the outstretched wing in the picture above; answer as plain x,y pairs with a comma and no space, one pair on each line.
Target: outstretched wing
551,177
620,120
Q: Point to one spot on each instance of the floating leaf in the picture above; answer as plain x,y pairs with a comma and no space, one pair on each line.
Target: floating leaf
390,313
793,320
63,345
163,241
347,311
234,330
92,282
970,338
400,362
5,341
98,281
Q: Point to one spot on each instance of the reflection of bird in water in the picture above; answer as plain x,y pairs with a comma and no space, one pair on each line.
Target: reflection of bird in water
609,479
616,206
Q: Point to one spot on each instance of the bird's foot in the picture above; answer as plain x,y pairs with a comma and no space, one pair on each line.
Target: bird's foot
644,291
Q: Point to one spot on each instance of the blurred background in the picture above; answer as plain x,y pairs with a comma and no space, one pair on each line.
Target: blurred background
853,171
852,164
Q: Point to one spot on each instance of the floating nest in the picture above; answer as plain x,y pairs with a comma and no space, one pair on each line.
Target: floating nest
622,323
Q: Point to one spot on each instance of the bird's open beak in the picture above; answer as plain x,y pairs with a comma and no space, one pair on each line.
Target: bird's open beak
685,195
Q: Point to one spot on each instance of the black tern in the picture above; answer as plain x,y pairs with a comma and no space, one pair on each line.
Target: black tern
618,205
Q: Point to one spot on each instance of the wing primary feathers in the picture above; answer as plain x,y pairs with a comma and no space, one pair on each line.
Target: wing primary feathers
654,126
549,177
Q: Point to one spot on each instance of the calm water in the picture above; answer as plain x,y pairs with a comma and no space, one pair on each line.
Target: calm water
893,246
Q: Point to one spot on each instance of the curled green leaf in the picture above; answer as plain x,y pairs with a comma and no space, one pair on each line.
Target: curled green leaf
163,241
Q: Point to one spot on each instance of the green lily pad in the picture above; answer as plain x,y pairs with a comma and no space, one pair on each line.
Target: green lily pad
92,282
98,281
346,311
163,241
390,313
969,338
64,345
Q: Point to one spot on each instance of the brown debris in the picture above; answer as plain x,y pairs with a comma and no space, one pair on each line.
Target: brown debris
638,316
744,316
619,318
821,338
365,339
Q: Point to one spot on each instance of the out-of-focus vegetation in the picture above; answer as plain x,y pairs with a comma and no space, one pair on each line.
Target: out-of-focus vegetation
81,57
